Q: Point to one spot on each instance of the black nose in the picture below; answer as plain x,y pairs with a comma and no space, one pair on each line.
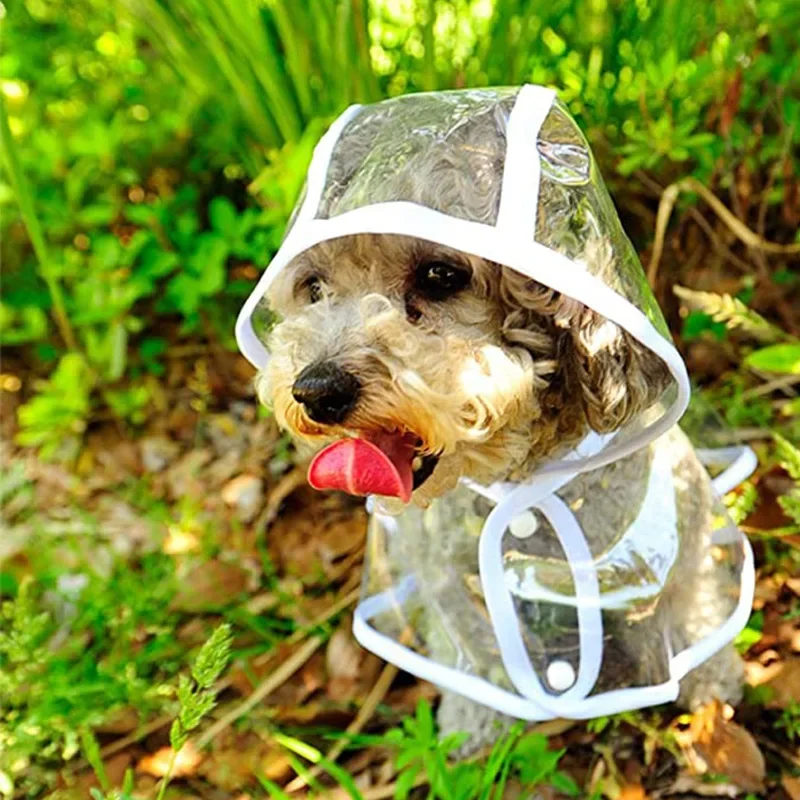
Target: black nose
327,391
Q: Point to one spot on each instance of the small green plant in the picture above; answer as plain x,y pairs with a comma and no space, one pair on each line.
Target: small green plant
56,416
742,503
420,752
789,459
789,721
196,695
751,634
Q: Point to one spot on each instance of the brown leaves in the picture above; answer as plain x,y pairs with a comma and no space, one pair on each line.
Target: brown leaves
316,534
717,746
210,586
351,669
157,764
244,493
785,684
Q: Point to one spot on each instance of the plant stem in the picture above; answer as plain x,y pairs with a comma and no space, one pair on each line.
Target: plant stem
8,155
167,775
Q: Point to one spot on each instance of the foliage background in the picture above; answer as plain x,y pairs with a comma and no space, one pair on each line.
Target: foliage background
151,153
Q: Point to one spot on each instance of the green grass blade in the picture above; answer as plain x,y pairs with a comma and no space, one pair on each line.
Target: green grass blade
22,193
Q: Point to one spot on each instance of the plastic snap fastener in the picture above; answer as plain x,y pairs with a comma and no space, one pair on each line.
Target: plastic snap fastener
560,675
524,525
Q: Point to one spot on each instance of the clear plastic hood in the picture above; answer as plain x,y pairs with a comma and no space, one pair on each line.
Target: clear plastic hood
519,187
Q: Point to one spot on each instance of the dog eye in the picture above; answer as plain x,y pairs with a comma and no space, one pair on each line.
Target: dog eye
439,280
313,288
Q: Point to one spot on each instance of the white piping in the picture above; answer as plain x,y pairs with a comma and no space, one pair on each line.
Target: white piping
530,258
519,197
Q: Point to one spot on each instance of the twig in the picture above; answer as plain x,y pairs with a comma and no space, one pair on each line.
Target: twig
382,792
783,382
377,693
340,605
266,687
737,227
776,748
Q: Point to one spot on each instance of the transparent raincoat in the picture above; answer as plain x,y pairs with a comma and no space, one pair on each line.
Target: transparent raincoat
564,595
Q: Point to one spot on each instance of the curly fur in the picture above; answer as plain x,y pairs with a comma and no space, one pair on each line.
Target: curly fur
499,378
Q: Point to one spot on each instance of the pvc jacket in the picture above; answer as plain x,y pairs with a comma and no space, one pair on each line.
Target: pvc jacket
562,596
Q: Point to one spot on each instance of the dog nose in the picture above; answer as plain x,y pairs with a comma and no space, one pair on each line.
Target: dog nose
327,391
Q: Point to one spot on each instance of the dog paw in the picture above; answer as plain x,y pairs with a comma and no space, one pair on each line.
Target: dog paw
484,725
720,678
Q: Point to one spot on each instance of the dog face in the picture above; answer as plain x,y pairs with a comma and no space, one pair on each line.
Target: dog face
484,371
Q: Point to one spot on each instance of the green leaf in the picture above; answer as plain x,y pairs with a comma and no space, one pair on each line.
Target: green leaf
405,783
788,455
222,215
781,358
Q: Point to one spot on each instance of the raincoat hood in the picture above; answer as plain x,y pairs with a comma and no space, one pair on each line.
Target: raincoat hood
553,597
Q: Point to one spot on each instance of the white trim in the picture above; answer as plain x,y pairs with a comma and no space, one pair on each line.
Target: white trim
251,346
519,196
740,462
500,603
701,651
482,691
530,258
657,519
479,689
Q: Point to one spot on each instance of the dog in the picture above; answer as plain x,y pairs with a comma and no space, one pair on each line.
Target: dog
475,371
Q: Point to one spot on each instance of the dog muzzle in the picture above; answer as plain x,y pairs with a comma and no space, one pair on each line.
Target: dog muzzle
559,596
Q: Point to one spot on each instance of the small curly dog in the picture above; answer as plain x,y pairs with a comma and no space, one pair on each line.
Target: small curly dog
469,368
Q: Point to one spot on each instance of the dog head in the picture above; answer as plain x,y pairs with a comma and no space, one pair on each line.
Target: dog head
462,366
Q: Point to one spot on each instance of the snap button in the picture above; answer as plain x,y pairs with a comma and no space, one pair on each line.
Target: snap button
560,675
524,525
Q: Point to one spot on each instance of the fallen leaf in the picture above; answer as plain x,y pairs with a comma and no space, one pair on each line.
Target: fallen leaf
157,452
785,684
722,747
343,655
210,586
791,786
245,493
232,767
632,792
351,670
157,764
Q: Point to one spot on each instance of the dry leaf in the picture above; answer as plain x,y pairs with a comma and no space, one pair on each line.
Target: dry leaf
245,493
721,747
343,656
210,586
157,764
157,452
632,792
785,684
233,766
791,786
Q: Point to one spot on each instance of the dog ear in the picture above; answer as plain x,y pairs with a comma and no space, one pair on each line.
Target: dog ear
585,355
617,376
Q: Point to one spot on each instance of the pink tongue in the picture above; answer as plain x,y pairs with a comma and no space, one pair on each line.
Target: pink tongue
361,467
